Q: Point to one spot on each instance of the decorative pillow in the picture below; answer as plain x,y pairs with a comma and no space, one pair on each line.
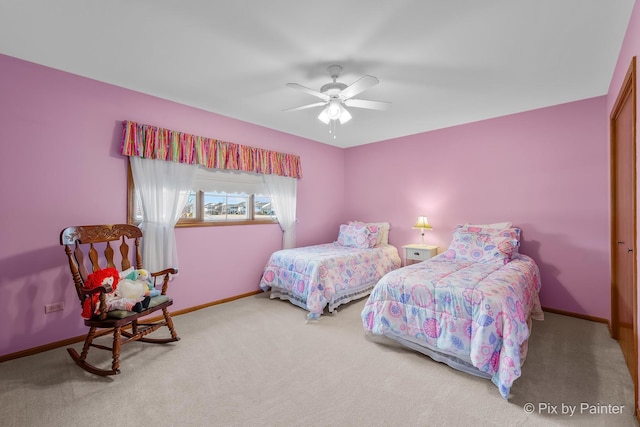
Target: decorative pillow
482,247
383,233
504,232
355,236
494,229
496,226
382,237
374,234
125,273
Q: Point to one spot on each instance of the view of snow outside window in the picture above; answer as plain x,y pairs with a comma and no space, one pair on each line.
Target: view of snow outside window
229,207
221,207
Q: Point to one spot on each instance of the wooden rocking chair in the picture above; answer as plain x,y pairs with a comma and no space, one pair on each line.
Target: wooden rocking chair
80,242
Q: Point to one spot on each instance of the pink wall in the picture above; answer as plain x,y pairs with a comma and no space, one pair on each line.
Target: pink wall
60,166
545,170
630,48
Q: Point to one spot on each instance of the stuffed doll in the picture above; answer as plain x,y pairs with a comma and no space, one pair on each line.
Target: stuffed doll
108,277
142,276
126,294
130,295
146,278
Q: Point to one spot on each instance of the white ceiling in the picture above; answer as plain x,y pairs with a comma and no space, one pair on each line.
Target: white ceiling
440,63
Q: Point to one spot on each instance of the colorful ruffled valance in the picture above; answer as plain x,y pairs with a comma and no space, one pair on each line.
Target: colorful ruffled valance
152,142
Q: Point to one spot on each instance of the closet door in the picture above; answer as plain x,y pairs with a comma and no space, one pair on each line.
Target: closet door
623,227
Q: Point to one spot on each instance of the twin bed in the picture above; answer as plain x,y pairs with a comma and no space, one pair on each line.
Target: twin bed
331,274
469,307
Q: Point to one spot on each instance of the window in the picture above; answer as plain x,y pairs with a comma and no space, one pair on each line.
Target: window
207,208
221,207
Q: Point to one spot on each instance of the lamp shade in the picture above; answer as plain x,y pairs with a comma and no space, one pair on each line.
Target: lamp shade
324,116
422,223
334,110
345,116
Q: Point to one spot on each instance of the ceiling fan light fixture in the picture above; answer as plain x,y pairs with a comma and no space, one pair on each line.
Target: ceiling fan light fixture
334,109
345,116
336,96
324,116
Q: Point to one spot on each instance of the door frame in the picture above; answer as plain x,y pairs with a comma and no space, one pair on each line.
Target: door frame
628,88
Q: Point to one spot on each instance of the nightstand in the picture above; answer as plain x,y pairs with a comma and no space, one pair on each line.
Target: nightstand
417,253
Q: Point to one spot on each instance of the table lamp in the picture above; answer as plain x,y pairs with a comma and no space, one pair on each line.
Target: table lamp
422,224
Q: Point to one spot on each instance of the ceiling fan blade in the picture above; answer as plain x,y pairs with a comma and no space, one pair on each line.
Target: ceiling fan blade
304,107
360,85
371,105
309,91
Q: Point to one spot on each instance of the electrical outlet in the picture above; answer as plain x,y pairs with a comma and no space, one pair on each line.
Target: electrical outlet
56,306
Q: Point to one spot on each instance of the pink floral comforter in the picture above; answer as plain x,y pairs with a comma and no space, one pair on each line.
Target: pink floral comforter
314,275
475,311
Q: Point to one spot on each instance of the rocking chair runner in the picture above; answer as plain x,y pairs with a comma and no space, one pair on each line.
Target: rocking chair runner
123,324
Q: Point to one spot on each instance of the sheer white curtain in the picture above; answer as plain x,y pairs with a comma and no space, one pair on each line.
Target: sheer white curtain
283,198
163,187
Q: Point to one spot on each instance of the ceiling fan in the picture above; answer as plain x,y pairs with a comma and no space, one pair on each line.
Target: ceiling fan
336,96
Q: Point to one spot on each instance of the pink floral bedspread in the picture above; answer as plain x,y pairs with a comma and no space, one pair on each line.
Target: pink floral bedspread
477,312
314,275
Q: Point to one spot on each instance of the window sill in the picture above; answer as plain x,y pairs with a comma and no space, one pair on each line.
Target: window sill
223,223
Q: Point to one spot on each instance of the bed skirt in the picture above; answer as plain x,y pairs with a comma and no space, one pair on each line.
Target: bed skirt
455,362
340,297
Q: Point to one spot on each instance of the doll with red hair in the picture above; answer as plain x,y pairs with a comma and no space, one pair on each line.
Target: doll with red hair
122,295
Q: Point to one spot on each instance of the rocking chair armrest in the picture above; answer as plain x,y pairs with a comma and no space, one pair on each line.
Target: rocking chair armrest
102,291
165,271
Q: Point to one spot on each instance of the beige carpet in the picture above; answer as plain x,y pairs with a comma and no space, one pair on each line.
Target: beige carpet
255,362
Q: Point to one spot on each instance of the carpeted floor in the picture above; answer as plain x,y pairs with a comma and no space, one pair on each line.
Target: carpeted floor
256,362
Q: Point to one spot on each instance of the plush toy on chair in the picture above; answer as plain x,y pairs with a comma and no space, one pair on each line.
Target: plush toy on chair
108,278
143,276
126,294
81,245
130,295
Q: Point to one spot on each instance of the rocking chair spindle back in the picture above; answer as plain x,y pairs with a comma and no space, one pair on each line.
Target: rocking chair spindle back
87,241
